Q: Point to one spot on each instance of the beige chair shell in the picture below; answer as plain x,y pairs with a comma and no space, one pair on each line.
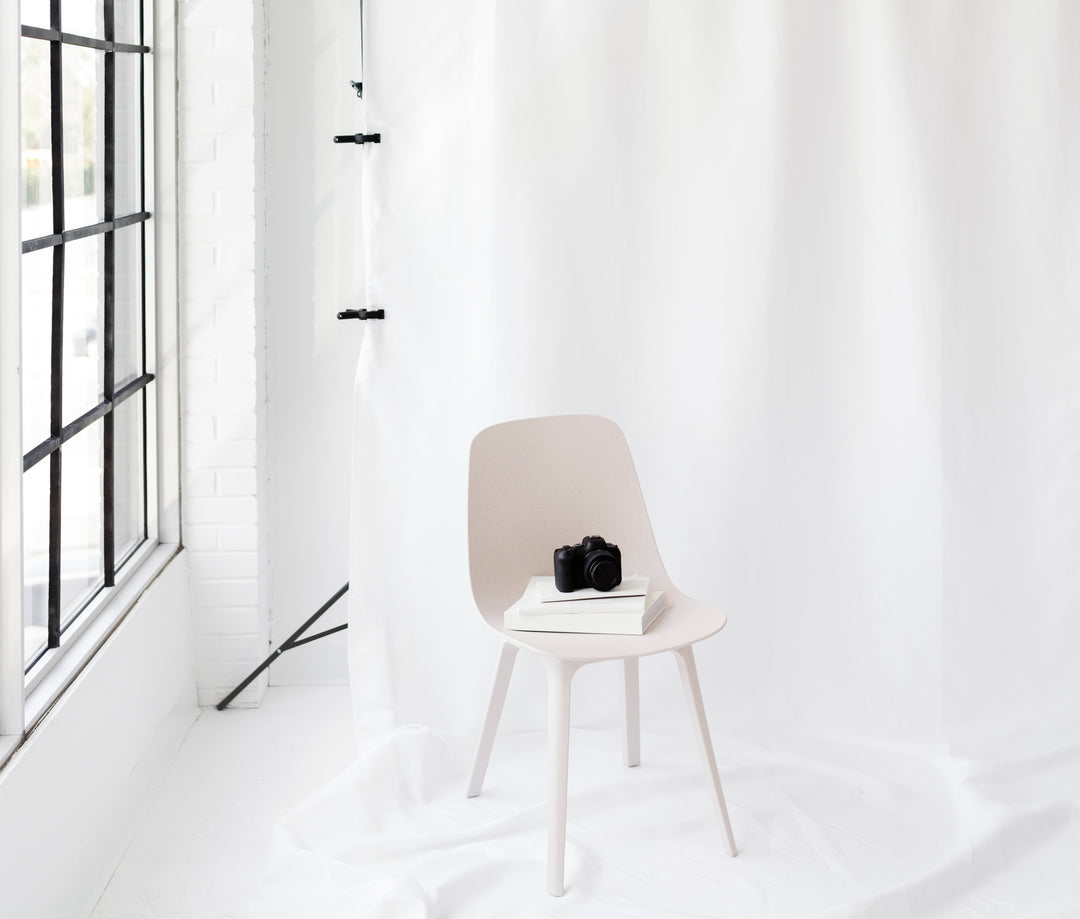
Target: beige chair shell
538,483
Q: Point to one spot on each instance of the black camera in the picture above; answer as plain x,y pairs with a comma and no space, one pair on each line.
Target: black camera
593,562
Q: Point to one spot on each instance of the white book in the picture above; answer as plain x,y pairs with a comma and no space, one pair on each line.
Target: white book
633,586
608,616
534,601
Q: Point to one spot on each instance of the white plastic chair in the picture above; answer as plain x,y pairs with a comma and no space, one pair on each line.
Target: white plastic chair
536,484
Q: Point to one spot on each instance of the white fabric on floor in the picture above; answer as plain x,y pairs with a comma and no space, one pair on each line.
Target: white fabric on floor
827,827
818,261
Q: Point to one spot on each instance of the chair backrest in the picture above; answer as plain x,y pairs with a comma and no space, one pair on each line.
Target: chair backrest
539,483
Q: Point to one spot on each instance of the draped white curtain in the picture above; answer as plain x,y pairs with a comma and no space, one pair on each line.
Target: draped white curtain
819,261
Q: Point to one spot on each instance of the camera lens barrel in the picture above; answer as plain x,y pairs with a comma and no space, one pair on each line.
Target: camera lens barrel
602,570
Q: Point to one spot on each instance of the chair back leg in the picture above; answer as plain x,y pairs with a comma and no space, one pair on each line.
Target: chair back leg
631,713
559,675
688,670
491,720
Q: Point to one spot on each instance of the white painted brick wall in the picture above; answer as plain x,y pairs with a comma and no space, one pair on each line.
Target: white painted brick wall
221,90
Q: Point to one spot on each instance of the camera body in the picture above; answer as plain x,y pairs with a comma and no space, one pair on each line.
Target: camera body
593,562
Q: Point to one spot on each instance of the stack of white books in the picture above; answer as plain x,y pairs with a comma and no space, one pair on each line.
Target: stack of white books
629,609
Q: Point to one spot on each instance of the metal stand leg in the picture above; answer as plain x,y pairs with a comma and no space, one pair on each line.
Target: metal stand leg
292,641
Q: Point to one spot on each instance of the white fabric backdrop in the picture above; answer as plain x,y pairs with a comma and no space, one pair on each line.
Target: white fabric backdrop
819,261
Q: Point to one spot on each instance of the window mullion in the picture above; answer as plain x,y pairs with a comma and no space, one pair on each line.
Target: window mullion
56,421
56,426
93,229
108,541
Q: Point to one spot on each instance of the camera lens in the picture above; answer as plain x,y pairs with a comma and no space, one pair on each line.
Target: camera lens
602,570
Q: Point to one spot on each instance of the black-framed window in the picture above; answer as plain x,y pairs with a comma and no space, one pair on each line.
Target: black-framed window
84,306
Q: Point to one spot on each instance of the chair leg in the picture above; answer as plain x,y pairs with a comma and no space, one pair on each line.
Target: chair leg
559,675
688,670
631,713
491,720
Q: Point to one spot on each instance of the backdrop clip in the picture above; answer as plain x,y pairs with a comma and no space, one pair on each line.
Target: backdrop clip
357,138
362,314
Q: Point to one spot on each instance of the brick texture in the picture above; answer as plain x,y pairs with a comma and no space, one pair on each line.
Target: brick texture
222,90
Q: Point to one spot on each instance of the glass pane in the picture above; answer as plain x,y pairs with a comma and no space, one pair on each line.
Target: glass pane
128,466
35,13
84,366
36,346
81,563
37,216
84,137
127,16
128,304
83,17
128,135
35,560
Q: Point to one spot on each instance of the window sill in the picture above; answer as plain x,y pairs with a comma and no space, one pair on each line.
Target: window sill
51,678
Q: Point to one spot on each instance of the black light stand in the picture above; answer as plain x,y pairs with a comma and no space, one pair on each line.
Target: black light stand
293,641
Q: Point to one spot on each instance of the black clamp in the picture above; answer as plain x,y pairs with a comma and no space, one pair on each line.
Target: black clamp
362,314
357,138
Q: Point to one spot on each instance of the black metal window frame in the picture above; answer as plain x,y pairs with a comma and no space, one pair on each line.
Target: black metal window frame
112,396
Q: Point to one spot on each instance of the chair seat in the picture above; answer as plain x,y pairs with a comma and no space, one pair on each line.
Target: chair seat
685,622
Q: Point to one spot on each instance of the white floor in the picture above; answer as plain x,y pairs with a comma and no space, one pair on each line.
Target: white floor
200,851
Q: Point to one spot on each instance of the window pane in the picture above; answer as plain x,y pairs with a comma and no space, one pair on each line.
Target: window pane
35,560
127,304
36,346
83,379
36,124
84,138
128,135
81,562
83,17
127,15
35,13
129,470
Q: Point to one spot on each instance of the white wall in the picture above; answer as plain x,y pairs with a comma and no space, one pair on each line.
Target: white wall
223,345
79,785
270,252
315,270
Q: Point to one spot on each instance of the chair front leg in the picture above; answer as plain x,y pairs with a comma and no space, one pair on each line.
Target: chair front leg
491,720
559,675
631,699
688,670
